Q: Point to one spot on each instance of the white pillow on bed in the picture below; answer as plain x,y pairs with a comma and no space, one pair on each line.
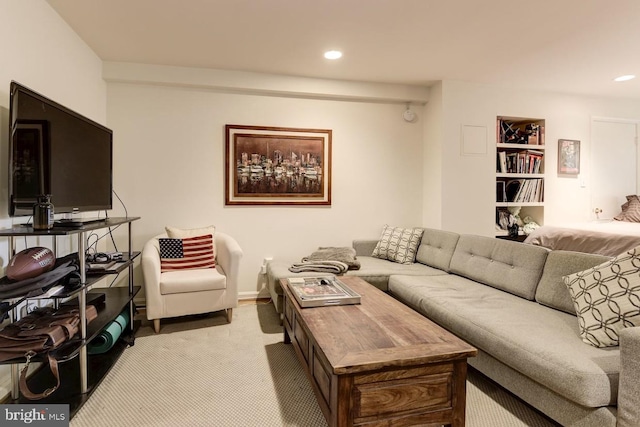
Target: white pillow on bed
630,210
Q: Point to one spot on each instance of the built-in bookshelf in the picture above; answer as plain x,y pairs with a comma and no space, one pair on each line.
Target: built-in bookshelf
520,153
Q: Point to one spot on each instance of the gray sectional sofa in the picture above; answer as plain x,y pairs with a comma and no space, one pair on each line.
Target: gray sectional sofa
508,300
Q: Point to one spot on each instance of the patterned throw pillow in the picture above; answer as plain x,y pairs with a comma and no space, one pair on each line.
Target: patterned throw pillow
186,254
398,244
607,298
630,210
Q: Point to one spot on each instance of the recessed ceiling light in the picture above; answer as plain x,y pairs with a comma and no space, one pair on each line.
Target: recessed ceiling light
333,54
624,78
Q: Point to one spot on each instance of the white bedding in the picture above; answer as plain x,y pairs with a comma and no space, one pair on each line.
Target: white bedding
609,238
606,226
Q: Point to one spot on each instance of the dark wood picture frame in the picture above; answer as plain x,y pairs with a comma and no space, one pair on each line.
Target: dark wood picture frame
277,166
568,157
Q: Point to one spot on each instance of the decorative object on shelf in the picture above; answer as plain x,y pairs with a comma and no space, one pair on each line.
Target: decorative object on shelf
502,218
568,157
277,166
529,225
41,331
515,222
520,131
515,213
43,213
30,262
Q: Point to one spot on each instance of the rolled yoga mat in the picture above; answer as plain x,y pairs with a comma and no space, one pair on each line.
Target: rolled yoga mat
109,335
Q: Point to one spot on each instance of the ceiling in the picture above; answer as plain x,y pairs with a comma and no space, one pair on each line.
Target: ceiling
574,46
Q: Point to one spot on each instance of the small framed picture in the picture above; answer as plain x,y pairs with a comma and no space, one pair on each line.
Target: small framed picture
568,157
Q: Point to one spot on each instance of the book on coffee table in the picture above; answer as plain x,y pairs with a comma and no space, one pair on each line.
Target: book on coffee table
321,291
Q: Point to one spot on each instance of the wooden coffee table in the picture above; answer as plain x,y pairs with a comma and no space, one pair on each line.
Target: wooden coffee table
378,362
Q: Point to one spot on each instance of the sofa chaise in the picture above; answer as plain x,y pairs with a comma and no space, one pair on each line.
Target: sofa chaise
509,300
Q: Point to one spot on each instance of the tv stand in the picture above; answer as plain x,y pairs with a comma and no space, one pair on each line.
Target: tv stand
80,372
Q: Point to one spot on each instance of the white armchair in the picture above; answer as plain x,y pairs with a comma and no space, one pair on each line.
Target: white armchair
184,292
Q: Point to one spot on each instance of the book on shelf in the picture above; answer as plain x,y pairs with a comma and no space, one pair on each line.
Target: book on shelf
530,191
502,162
501,192
321,291
522,190
524,161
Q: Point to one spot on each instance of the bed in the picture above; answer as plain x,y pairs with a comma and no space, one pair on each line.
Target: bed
608,237
604,237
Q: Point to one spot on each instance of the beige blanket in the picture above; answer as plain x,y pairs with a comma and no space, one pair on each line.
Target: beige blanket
329,253
593,242
332,267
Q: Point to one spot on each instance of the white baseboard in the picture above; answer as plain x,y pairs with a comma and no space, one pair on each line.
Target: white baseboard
248,295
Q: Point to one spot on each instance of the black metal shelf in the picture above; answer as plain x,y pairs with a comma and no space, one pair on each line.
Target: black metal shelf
80,372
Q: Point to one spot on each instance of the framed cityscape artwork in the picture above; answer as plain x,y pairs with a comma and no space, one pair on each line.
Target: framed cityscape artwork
277,166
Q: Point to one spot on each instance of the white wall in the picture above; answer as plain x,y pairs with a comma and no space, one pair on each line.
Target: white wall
169,167
432,160
40,51
468,181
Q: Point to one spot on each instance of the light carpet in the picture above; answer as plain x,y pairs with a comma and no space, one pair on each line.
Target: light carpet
201,371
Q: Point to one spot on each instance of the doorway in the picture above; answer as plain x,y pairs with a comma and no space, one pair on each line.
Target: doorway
614,164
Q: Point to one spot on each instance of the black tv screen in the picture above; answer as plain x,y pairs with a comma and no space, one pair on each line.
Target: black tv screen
56,151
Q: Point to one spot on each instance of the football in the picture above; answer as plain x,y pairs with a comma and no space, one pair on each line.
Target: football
30,263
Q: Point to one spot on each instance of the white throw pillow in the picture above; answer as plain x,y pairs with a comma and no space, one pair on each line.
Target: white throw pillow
181,233
607,298
398,244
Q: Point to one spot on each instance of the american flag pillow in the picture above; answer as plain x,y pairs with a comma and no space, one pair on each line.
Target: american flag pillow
188,253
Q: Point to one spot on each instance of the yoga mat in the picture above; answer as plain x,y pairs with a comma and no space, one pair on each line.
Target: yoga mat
109,335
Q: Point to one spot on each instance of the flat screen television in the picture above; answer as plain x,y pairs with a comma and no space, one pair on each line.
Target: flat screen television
54,150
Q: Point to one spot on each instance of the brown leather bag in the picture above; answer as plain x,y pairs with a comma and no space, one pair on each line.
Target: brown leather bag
41,331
